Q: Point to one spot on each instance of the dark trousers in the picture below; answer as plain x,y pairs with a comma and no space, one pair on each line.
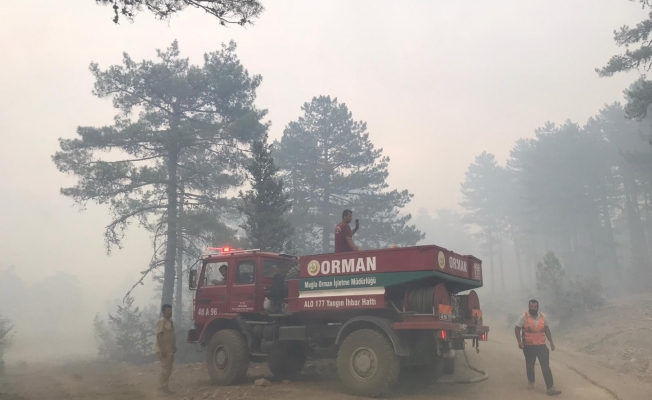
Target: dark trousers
543,354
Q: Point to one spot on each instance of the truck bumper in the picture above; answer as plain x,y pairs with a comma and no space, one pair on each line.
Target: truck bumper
460,331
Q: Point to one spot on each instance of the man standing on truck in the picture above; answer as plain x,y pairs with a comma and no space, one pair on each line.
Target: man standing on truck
344,234
166,346
531,332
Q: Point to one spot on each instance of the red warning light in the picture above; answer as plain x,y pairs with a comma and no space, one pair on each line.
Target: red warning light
442,335
226,249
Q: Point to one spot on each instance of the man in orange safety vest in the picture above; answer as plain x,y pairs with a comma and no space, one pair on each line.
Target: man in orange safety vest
531,332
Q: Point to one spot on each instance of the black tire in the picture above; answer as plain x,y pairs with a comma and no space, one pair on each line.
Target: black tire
367,364
286,359
227,357
449,366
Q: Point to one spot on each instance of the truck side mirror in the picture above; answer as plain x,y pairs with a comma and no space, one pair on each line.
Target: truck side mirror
192,279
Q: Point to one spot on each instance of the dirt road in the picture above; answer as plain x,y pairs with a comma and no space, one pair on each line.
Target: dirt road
575,375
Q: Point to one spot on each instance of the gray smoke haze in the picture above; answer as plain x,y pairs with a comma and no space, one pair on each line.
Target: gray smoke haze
437,83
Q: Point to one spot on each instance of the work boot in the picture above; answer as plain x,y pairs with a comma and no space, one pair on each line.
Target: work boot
553,391
530,386
165,391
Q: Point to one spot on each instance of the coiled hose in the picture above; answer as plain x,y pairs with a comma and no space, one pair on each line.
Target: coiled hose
421,300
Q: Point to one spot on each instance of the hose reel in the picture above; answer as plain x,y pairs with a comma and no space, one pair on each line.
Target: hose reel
426,300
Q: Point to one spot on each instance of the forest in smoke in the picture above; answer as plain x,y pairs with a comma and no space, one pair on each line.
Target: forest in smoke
582,191
188,159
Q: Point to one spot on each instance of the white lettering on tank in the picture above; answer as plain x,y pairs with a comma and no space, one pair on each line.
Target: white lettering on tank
371,264
325,267
457,264
360,266
335,267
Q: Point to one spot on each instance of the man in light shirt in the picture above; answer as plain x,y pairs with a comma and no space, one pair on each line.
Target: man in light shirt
165,347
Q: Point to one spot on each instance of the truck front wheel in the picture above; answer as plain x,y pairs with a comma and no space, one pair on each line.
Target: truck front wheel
286,359
227,357
367,364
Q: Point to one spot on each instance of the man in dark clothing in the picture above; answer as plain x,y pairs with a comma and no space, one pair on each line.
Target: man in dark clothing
277,293
344,234
531,333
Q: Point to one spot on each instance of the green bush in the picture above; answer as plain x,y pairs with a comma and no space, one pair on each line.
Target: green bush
126,336
565,295
5,339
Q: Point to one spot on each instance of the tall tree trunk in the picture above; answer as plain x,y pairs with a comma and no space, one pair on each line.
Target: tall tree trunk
533,262
502,267
492,273
519,268
178,299
606,217
647,212
171,247
636,231
326,228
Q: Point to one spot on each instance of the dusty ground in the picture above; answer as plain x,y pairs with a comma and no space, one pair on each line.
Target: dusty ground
576,374
603,355
617,337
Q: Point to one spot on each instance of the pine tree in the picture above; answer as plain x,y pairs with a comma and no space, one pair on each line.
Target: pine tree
265,205
330,164
126,337
5,339
182,146
483,197
240,12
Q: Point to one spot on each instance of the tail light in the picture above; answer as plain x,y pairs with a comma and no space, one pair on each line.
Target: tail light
443,335
483,337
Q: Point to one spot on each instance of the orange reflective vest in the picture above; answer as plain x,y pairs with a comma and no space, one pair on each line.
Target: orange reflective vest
533,332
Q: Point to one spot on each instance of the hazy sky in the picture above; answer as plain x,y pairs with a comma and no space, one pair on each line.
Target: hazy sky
437,82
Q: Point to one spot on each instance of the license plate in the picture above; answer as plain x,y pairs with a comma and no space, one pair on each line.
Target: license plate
445,312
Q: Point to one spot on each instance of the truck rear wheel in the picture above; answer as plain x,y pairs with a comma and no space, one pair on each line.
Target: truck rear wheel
227,357
367,364
449,366
286,359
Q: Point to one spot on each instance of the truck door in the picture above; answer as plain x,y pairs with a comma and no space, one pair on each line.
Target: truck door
272,269
212,293
243,289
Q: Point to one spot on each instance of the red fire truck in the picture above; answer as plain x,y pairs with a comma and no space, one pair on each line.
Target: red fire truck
376,312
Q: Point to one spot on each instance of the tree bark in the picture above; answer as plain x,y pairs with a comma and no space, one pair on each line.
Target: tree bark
178,299
639,250
502,267
610,233
171,247
326,228
519,268
492,273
